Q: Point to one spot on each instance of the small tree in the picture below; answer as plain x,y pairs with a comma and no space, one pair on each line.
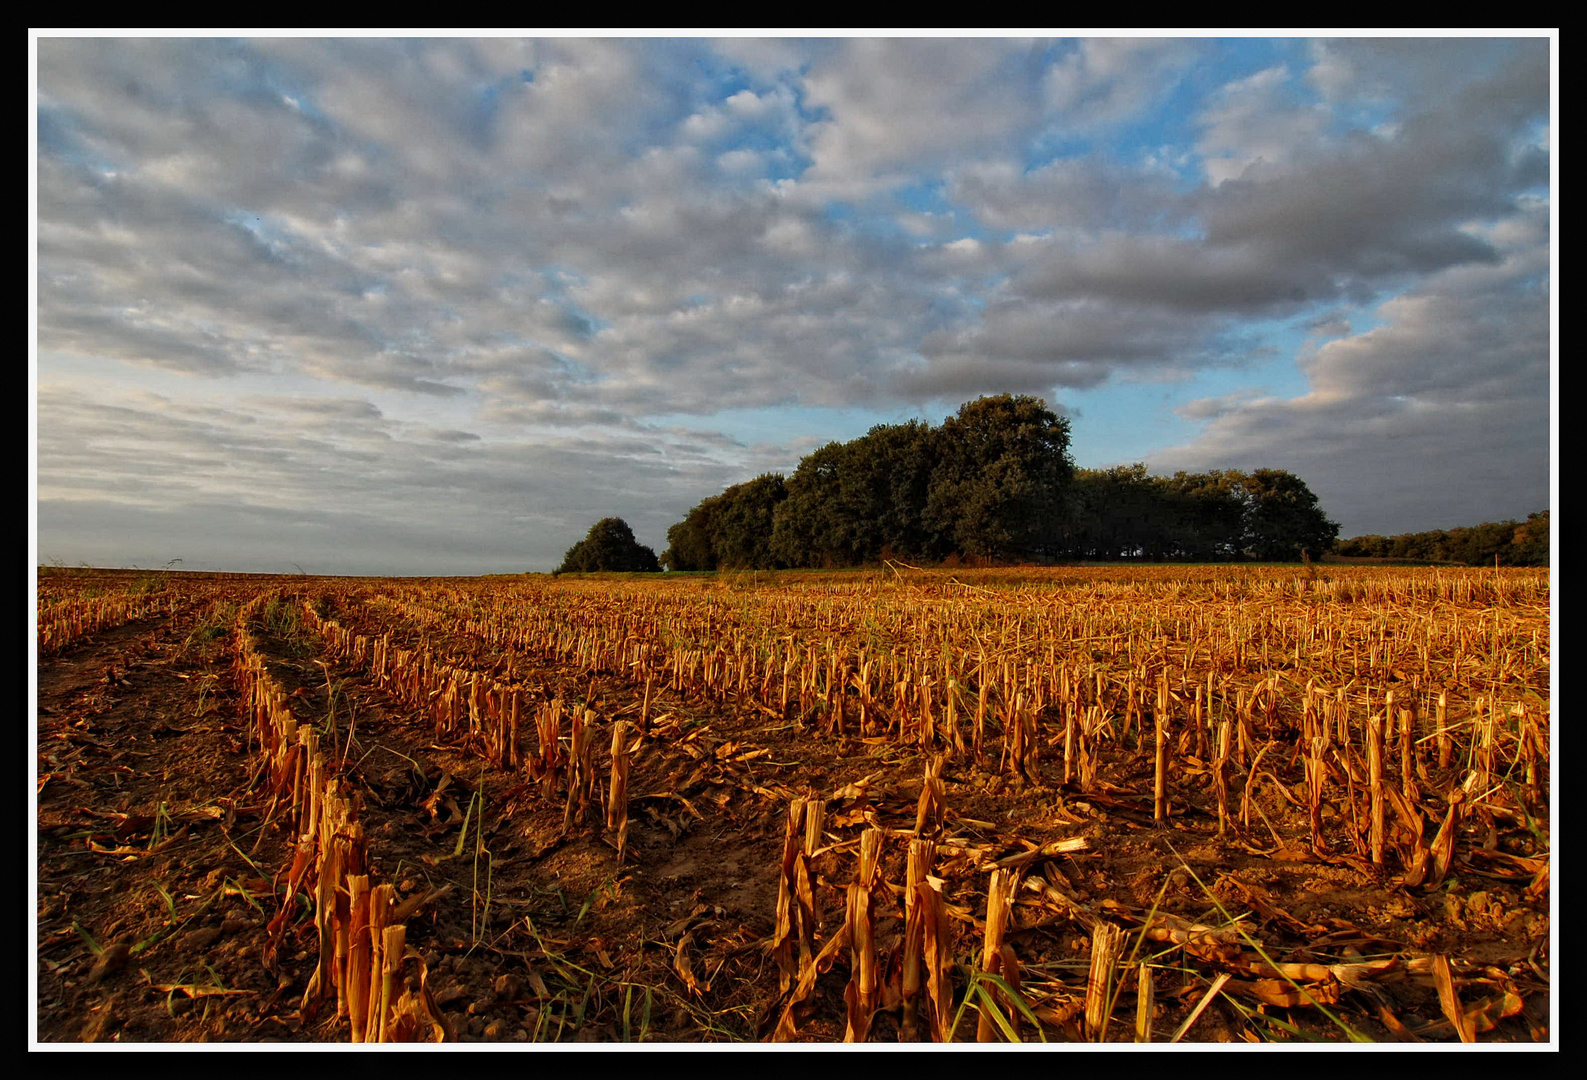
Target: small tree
610,545
1001,481
1283,518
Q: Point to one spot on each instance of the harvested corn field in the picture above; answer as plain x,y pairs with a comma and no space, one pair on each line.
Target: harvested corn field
1048,805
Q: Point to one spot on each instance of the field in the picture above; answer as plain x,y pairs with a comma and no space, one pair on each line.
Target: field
1204,804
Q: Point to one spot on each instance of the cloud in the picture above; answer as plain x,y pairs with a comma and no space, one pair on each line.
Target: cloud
381,495
1090,192
1436,418
894,104
1106,81
468,272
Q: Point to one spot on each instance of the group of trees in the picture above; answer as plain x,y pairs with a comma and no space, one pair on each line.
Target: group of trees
609,545
1123,513
993,481
1512,543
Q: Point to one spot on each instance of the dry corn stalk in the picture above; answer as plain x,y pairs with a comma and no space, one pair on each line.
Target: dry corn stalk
1442,849
861,993
617,799
1408,761
358,956
1317,777
548,721
936,953
1416,856
1160,755
786,932
380,904
999,902
796,915
1220,776
804,888
933,799
1107,943
1069,710
916,908
1445,747
1375,786
581,767
394,945
1145,998
1449,999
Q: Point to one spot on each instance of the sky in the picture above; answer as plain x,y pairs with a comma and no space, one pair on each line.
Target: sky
434,306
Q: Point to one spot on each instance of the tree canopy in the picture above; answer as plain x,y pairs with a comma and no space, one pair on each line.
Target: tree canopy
995,481
1123,513
1511,543
732,530
609,545
1001,479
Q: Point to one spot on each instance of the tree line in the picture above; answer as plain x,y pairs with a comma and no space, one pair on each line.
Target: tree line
994,481
1511,543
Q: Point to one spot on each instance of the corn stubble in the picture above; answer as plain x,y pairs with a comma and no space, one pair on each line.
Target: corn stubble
1391,711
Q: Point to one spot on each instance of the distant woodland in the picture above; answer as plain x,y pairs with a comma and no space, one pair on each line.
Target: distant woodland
995,483
1511,543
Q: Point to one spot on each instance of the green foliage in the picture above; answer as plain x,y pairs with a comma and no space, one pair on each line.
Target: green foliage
1122,513
1512,543
1002,477
690,542
1118,513
148,583
730,531
1283,519
282,619
861,501
995,481
609,546
744,523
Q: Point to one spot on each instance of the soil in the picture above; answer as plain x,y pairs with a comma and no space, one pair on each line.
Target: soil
159,866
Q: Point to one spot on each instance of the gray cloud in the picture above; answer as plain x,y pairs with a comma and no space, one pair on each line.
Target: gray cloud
1108,80
475,271
1441,408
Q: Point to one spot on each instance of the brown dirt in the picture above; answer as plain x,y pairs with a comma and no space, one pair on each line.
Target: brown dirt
158,868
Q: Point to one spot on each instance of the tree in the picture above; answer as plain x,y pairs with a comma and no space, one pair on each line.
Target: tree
1115,513
1001,484
1283,518
743,532
856,502
808,528
689,542
732,530
1208,511
1529,542
1511,543
609,545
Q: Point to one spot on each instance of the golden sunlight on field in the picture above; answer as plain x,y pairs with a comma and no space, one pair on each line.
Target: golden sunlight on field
1070,804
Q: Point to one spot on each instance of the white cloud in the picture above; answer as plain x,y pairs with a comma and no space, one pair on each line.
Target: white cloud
1108,80
465,270
894,104
1252,123
1411,424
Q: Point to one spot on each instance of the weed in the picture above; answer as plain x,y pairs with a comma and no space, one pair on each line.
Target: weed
333,691
205,682
629,1035
88,939
148,583
1238,925
479,917
162,828
978,995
